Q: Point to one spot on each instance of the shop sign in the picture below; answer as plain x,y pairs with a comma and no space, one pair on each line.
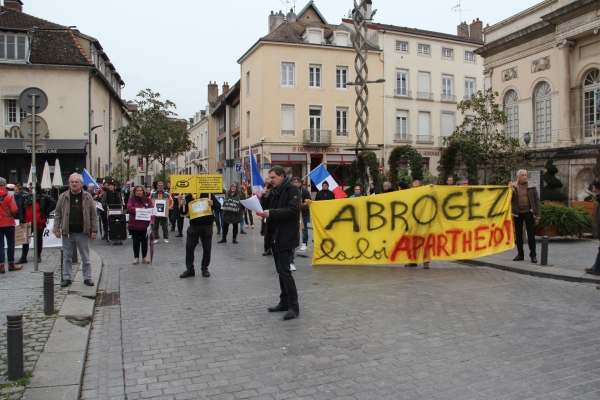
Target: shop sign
313,149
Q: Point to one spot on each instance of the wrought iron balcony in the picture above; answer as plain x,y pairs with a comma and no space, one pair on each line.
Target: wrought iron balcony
403,137
403,93
424,96
317,137
449,98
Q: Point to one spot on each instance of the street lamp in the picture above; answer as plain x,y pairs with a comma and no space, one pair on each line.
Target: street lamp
527,138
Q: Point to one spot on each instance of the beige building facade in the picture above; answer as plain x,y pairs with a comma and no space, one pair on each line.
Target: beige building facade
545,63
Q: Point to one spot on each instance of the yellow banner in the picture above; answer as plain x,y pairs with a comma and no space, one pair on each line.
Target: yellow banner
413,226
194,184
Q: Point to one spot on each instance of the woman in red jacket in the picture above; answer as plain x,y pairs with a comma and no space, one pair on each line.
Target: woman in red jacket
138,229
44,205
8,210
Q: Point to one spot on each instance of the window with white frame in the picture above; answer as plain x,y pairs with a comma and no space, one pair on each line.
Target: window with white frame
447,53
341,121
401,125
511,109
402,46
13,47
469,88
314,76
424,126
236,117
447,88
341,77
447,124
469,56
341,38
14,114
423,86
401,82
287,74
591,113
424,49
288,113
543,113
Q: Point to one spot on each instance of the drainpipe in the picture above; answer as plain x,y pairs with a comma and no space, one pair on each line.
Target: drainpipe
109,129
92,74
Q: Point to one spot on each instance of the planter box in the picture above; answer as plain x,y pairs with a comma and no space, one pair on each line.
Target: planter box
588,205
541,231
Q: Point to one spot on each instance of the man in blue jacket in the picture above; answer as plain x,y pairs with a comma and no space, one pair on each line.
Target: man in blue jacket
282,211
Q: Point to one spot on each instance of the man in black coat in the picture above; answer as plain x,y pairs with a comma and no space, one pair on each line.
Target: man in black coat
324,193
282,211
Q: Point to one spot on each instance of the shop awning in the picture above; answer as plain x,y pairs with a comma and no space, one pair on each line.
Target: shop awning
53,146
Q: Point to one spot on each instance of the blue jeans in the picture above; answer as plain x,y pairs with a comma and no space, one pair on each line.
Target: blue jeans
9,233
218,219
82,241
305,219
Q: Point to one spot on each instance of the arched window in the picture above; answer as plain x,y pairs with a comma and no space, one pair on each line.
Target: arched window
591,113
511,109
543,113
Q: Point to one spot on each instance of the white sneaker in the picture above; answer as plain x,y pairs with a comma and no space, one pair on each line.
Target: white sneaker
166,240
146,260
292,267
136,261
303,247
155,241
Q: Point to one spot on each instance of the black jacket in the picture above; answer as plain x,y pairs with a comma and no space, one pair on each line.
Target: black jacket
47,205
324,195
283,224
208,219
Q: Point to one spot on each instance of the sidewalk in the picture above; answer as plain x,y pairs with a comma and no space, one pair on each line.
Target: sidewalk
566,260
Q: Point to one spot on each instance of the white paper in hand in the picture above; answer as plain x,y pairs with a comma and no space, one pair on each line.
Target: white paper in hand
252,204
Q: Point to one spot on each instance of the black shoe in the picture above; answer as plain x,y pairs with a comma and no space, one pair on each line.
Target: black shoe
534,259
234,241
291,314
172,229
224,240
65,283
187,273
22,260
180,235
89,282
205,273
267,252
518,258
278,307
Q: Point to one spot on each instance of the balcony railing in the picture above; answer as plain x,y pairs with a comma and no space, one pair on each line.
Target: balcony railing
449,98
403,93
543,136
403,137
424,96
424,139
317,137
288,133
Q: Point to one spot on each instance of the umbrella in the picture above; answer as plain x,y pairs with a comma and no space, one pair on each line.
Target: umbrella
30,178
46,182
57,180
151,246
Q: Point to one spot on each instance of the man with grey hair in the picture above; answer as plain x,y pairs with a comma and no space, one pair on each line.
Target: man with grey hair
387,187
76,222
525,209
161,194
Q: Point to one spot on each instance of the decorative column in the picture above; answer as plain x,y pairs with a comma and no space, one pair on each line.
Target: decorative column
564,48
362,74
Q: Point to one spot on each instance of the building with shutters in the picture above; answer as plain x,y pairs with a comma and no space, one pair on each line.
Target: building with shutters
83,89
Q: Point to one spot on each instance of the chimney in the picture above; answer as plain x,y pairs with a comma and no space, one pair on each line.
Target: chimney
271,20
15,5
191,121
276,20
462,29
213,91
202,114
291,17
225,87
476,31
369,9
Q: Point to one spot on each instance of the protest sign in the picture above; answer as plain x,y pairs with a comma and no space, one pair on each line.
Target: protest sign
160,207
210,183
183,184
199,208
143,214
413,226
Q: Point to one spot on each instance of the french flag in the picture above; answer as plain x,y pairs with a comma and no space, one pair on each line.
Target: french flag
320,174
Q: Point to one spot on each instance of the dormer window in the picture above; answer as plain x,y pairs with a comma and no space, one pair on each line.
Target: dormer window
12,47
315,36
341,39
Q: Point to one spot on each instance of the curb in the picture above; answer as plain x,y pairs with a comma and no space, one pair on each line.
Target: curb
58,373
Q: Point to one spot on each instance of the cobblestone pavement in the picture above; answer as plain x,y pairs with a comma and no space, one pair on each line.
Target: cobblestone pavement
450,332
572,254
22,291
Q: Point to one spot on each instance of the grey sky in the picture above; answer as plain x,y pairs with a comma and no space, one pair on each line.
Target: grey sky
175,47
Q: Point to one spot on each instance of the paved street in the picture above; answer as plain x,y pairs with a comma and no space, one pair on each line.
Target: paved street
453,331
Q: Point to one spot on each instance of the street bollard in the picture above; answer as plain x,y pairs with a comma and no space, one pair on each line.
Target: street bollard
544,250
14,344
48,293
61,265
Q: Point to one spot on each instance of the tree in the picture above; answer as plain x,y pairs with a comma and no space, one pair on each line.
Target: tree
151,132
123,172
366,164
482,143
550,191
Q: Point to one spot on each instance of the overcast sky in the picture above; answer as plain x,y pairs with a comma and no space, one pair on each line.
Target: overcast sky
175,47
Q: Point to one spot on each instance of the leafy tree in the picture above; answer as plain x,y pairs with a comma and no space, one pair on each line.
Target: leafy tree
365,164
123,172
404,176
553,184
481,141
174,142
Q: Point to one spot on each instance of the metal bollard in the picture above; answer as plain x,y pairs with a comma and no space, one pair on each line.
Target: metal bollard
14,342
61,265
48,293
544,250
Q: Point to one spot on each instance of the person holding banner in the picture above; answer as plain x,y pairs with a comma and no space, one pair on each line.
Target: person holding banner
44,205
232,212
282,211
201,213
8,210
140,210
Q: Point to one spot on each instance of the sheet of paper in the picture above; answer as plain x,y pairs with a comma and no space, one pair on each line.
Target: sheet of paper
252,204
143,214
200,206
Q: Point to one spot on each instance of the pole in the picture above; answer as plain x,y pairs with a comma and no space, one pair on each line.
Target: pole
49,293
34,179
14,346
544,258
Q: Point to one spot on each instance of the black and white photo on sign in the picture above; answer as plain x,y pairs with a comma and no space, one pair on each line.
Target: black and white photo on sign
161,207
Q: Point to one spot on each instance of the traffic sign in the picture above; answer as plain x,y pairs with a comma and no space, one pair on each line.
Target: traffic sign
381,168
41,101
238,167
40,145
41,126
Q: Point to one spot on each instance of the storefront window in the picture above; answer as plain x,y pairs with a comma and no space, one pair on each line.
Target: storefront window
338,166
294,164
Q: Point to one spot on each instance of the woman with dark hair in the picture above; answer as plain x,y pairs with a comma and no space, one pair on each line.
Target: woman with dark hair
138,229
44,205
232,212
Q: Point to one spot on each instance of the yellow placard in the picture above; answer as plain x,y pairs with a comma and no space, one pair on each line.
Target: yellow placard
209,183
199,208
184,184
413,226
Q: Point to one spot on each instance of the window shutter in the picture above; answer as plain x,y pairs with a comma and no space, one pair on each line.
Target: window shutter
424,124
447,124
2,45
423,82
287,118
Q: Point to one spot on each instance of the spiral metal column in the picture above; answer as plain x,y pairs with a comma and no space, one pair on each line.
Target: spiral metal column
362,72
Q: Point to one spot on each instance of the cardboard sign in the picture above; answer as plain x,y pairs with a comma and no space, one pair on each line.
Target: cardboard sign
143,214
184,183
22,233
160,207
210,183
199,208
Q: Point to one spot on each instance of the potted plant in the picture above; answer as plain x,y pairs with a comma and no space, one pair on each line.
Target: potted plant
550,192
564,221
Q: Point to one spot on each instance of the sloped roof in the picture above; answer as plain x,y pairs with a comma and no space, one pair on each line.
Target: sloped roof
312,5
421,32
56,47
12,19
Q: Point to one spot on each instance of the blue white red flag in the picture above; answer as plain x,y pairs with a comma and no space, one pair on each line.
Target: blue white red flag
258,183
320,175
